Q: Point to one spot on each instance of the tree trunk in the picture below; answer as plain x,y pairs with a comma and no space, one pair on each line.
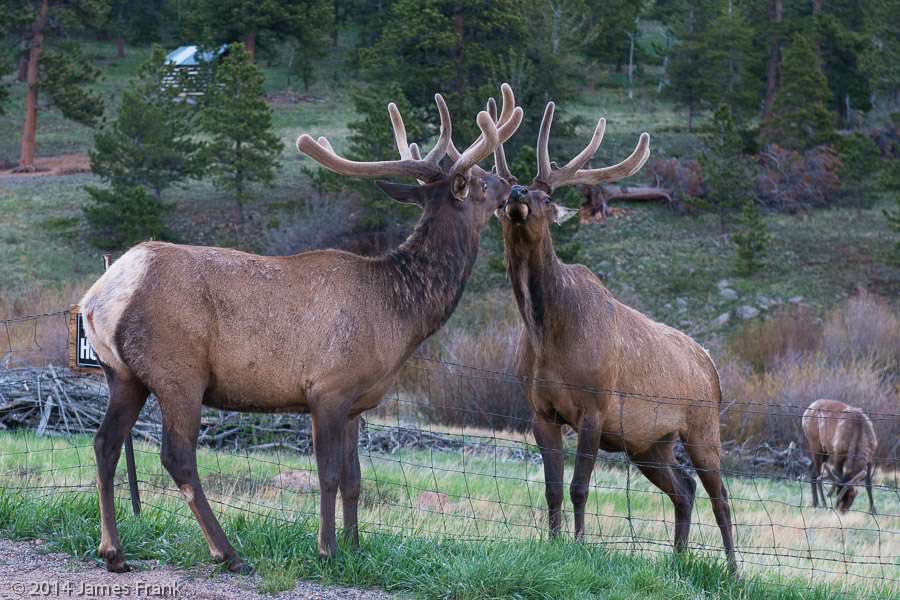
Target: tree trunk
249,41
120,47
23,65
816,9
776,15
29,128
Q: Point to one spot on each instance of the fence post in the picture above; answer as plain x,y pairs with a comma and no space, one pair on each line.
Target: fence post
129,447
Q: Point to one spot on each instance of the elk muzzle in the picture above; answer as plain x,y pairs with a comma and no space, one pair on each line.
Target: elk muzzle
516,206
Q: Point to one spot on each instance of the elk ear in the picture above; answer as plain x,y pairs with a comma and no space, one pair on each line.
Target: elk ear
459,186
561,213
401,192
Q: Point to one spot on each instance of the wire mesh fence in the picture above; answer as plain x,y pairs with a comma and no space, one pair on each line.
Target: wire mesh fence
435,464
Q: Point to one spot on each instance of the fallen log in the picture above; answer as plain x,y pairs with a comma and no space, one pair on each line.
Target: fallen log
595,208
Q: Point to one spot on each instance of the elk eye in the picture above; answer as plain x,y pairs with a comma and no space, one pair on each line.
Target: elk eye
546,199
484,186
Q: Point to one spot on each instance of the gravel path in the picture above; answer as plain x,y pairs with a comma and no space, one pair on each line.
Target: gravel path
27,572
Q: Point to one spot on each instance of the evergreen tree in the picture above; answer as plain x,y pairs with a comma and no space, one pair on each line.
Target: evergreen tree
123,215
800,117
843,30
610,23
243,147
751,240
724,168
881,61
687,58
136,21
151,143
53,66
251,21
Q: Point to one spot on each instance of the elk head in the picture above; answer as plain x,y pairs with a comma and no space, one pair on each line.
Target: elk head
845,486
529,210
459,181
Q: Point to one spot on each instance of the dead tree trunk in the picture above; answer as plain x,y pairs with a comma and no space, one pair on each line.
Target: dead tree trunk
598,198
249,41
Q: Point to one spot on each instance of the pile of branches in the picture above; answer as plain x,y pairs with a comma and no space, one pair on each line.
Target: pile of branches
53,401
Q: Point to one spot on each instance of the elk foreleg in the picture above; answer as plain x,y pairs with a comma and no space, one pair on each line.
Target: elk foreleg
126,398
815,478
329,423
548,435
351,482
586,456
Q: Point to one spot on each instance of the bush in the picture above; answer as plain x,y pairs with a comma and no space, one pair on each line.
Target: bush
787,333
791,181
122,216
863,329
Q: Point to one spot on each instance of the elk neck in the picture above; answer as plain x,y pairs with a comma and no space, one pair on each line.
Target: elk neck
429,270
536,276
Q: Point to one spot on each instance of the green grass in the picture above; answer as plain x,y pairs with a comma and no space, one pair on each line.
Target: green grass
486,541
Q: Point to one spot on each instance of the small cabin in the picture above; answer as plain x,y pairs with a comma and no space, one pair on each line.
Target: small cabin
192,65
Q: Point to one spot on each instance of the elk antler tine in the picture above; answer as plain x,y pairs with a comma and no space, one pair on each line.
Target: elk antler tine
491,108
323,141
399,131
585,155
509,102
500,165
484,145
543,152
627,167
445,139
414,151
507,129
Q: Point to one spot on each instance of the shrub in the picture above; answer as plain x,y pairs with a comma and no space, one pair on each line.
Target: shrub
791,181
788,332
864,328
751,240
122,216
683,178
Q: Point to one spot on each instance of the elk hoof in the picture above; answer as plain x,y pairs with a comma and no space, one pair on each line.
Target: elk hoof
239,567
115,560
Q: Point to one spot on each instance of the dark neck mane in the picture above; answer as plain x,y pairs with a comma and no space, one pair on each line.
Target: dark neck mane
428,271
535,273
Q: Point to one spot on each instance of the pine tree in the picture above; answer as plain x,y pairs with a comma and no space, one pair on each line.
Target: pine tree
751,240
54,67
800,116
123,215
134,21
243,148
151,142
881,60
725,172
251,21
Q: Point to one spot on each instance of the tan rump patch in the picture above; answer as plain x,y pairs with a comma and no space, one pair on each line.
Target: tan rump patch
107,299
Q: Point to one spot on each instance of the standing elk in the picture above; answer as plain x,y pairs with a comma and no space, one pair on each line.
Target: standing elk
324,331
842,440
628,383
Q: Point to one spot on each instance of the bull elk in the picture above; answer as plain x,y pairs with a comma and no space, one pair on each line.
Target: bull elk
323,332
630,384
841,441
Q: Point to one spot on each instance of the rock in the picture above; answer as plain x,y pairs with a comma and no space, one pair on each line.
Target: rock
435,501
763,302
795,299
728,293
722,319
723,283
296,481
684,323
681,302
747,312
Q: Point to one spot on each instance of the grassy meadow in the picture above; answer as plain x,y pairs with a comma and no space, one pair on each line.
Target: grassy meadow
444,513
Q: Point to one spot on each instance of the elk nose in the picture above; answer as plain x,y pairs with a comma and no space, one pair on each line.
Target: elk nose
518,192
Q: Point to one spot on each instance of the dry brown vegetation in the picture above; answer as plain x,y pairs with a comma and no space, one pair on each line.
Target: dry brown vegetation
775,369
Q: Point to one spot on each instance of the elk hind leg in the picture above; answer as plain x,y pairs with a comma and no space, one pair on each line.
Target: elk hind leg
181,426
659,466
870,471
127,396
707,463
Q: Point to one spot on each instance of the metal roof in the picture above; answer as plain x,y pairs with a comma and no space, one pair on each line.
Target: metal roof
189,56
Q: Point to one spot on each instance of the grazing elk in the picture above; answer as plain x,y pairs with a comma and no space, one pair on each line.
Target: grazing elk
842,440
323,332
628,383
